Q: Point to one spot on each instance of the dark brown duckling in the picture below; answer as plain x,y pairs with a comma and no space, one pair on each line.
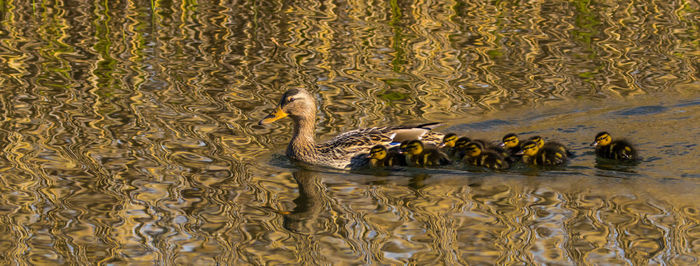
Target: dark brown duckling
476,155
511,146
461,148
448,144
418,155
552,144
545,156
620,150
379,157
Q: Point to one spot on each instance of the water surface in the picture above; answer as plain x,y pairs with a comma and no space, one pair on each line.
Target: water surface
129,131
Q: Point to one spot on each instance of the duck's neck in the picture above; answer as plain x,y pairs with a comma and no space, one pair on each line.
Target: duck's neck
303,146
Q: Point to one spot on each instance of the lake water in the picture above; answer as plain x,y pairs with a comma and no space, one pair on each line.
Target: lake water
129,131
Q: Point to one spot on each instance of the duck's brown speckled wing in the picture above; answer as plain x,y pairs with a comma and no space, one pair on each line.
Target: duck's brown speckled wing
348,149
340,151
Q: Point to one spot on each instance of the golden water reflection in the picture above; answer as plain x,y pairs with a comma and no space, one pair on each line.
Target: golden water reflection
503,219
129,131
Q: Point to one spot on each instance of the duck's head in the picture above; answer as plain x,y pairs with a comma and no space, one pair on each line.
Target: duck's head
510,140
377,152
295,103
449,140
462,142
602,139
474,149
529,148
539,140
414,147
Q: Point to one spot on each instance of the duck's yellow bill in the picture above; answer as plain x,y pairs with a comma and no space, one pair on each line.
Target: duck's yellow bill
277,115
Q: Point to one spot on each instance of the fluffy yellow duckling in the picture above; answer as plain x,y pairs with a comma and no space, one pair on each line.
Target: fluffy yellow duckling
476,155
419,156
621,150
545,156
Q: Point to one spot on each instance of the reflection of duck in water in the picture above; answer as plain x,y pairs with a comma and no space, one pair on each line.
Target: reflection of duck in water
545,156
620,150
346,150
308,205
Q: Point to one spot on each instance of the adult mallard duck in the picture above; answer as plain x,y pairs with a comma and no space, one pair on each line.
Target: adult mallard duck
347,150
620,150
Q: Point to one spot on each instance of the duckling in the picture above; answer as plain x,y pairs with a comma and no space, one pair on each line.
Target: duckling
460,149
511,146
448,144
553,144
379,157
545,156
478,156
510,143
400,149
461,146
621,150
419,156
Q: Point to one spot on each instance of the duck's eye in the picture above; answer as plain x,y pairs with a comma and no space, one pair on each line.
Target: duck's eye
290,99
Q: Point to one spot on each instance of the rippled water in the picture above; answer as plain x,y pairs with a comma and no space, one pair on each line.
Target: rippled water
129,131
